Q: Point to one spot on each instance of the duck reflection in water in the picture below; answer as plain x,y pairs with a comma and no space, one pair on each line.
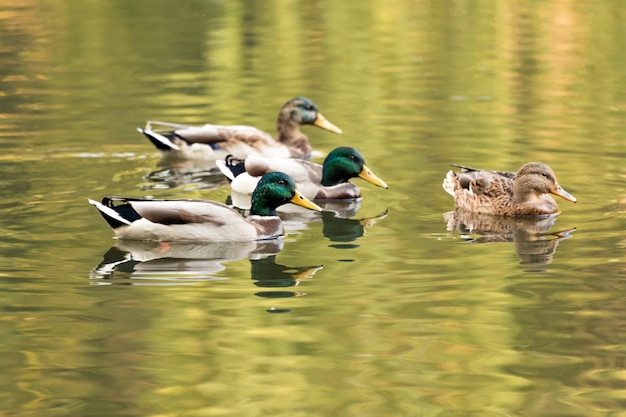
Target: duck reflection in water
338,224
159,263
534,243
200,175
268,274
342,230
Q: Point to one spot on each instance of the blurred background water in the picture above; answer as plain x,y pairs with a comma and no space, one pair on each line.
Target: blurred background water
394,310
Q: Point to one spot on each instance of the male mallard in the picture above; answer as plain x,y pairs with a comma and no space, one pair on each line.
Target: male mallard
203,220
210,142
316,182
524,193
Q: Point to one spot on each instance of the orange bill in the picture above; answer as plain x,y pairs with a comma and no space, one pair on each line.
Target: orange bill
557,190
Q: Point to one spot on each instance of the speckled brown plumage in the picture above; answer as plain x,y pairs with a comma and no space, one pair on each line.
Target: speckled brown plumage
524,193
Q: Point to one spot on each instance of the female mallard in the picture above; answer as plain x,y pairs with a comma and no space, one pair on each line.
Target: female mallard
316,182
202,220
210,142
524,193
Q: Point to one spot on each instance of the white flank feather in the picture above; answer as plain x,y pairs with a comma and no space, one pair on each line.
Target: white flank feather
221,164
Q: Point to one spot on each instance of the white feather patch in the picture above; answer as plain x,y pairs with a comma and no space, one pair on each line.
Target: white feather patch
221,164
108,211
160,138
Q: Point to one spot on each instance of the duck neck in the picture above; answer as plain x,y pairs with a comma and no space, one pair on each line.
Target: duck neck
333,173
330,178
288,130
521,194
261,206
538,202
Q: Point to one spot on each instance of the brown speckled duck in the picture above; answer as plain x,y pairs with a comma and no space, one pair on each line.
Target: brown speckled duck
210,142
521,193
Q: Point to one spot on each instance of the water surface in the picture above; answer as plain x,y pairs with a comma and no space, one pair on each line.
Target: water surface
396,309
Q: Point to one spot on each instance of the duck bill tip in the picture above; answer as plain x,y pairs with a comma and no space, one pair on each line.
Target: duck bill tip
370,177
563,194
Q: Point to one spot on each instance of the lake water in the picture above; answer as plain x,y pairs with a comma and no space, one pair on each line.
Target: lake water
392,311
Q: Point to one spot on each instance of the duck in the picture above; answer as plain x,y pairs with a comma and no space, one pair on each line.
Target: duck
195,220
329,181
522,193
210,142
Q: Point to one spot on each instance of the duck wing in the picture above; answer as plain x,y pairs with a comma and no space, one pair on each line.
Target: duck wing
465,169
245,174
300,170
480,181
172,212
480,191
208,134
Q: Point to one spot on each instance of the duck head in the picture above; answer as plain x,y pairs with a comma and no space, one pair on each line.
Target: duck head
274,190
536,178
344,163
302,111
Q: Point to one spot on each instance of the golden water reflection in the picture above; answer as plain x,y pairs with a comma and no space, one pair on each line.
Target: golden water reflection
534,242
414,323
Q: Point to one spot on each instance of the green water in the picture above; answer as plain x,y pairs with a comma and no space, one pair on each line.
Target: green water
387,313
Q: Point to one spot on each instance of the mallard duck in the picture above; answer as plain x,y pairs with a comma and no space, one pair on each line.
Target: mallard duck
210,142
203,220
329,181
521,193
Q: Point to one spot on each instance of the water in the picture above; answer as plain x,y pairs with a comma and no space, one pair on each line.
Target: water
387,312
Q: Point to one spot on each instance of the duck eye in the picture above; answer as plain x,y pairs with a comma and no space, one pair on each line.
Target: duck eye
544,174
281,182
308,107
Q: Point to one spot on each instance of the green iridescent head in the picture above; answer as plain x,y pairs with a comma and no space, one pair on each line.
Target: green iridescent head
274,190
344,163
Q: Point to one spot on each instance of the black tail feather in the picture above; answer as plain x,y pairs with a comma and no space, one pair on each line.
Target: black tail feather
160,145
125,211
235,165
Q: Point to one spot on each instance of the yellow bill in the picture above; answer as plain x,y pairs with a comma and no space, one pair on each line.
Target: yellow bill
300,200
369,176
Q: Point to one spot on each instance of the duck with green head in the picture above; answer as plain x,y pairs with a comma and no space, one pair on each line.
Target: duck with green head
210,142
330,181
203,220
522,193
